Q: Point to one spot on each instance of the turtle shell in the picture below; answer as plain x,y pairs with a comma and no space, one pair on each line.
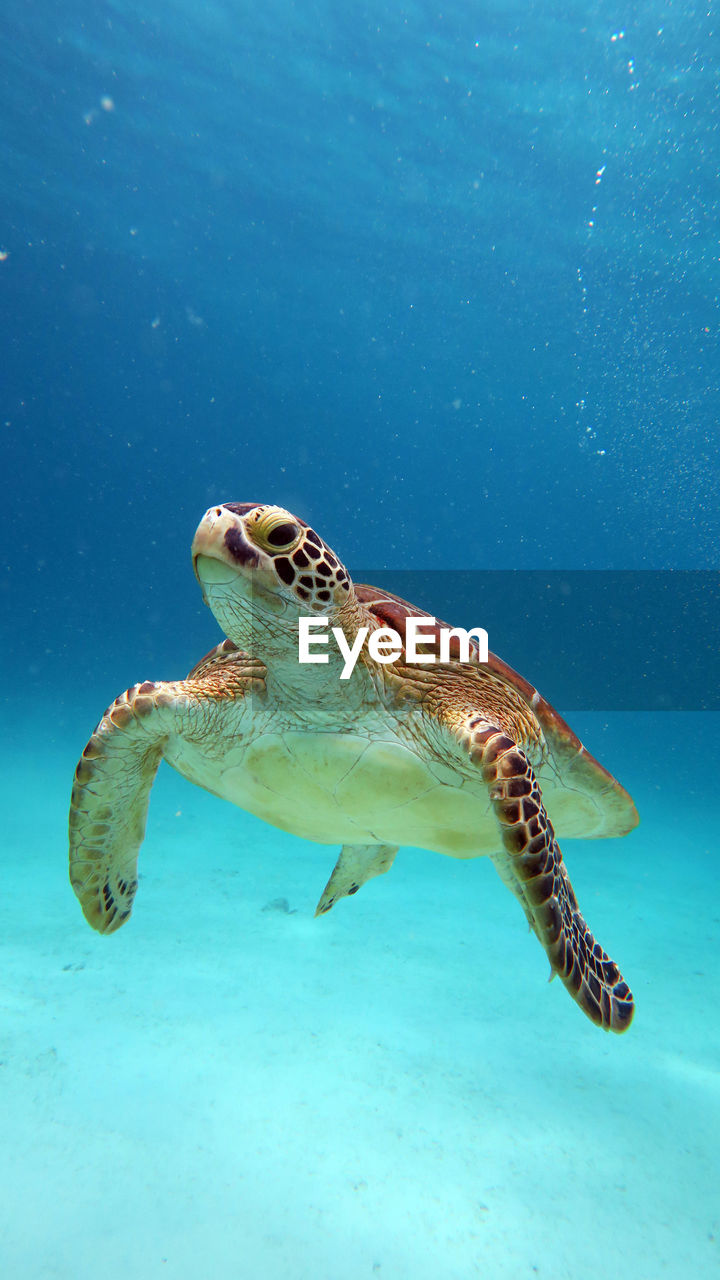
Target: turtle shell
583,798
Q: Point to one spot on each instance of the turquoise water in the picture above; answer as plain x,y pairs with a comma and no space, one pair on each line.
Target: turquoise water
445,285
229,1085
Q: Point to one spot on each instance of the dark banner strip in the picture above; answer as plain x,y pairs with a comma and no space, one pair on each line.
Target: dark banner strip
589,641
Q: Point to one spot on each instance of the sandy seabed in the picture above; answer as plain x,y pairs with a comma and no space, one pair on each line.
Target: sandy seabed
228,1087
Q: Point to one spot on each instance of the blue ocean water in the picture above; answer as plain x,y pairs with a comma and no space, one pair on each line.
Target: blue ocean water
443,280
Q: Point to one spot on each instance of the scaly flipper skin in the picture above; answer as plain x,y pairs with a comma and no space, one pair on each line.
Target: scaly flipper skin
532,866
111,791
109,804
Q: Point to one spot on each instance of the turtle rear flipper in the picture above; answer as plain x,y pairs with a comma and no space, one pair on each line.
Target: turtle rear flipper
357,864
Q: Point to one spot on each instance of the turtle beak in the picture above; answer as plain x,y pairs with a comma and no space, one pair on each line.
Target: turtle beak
220,550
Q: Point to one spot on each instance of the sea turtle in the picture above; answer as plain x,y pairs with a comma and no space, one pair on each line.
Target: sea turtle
459,757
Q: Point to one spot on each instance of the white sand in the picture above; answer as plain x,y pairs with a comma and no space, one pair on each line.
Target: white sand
393,1090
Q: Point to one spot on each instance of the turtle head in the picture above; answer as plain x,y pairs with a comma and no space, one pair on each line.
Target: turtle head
261,568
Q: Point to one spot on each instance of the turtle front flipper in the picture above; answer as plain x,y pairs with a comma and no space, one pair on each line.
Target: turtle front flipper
356,864
531,864
111,791
109,804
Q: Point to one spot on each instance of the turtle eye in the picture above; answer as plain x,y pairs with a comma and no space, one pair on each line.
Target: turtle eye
275,532
282,536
